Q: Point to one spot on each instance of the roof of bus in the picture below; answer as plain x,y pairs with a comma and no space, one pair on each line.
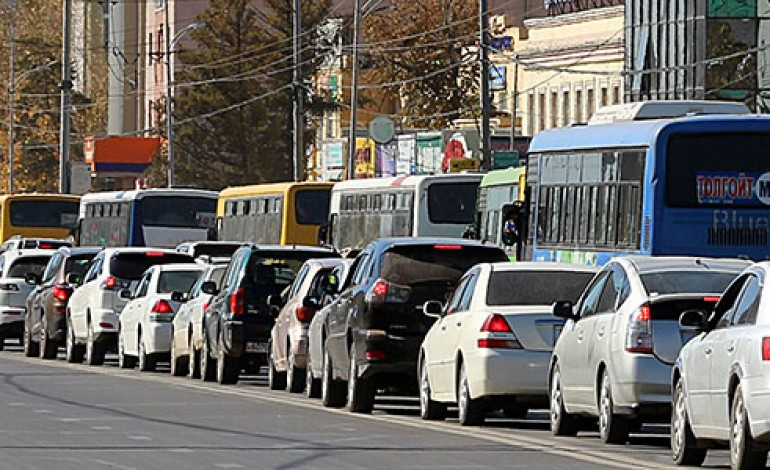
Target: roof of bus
141,193
639,133
500,177
271,188
32,196
404,181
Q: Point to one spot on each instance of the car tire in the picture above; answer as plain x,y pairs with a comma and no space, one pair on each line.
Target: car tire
429,408
94,351
31,348
194,368
469,411
360,391
124,360
2,343
562,423
333,392
743,452
312,385
48,347
147,361
295,377
228,367
179,365
75,351
613,429
684,445
208,364
276,380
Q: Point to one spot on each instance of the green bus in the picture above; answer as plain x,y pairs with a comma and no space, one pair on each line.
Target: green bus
501,193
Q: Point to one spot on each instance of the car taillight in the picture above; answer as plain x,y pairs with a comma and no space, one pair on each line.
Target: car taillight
162,306
46,246
639,335
497,334
384,291
61,292
304,314
155,254
162,312
109,283
205,306
711,298
766,349
237,301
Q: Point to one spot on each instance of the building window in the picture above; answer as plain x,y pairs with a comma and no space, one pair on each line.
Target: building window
578,106
531,114
605,96
554,109
617,99
565,107
591,105
541,111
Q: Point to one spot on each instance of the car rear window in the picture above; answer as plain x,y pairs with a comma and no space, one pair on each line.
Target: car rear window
424,263
535,287
131,265
214,249
686,282
20,267
177,281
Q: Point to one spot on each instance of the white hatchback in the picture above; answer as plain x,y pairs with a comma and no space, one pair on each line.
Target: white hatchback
145,329
491,346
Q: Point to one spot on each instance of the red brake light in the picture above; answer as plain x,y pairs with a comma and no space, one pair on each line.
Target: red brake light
61,292
155,254
766,349
496,324
304,314
46,246
205,306
639,333
237,301
110,282
448,247
380,288
643,314
712,298
162,306
375,356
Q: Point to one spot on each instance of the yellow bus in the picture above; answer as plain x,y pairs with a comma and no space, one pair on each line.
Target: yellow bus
38,215
275,213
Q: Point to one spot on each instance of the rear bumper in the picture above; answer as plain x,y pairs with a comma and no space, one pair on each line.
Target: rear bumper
641,386
507,372
157,337
12,330
11,315
389,361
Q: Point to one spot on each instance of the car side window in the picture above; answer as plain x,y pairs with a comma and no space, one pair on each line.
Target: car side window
232,271
364,265
298,281
470,287
52,267
590,299
748,305
454,301
725,309
141,288
93,271
613,293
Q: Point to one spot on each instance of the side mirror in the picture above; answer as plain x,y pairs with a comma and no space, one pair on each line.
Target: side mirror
209,287
274,301
692,320
74,279
125,294
563,309
178,296
311,302
433,308
32,279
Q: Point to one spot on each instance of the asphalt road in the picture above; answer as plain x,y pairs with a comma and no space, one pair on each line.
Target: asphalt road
54,415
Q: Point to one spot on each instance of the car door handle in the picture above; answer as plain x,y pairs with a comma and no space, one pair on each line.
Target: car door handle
600,334
459,324
707,351
580,335
730,347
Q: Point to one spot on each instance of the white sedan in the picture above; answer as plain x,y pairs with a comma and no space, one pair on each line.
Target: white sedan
145,327
491,345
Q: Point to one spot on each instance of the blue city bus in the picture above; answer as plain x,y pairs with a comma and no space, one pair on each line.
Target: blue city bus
163,217
695,185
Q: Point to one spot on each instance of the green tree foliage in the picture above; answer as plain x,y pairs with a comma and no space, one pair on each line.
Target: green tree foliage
428,48
233,93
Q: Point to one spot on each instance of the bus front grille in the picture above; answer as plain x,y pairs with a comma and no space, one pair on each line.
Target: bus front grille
737,236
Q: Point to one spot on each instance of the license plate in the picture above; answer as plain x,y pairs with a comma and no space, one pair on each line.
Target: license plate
256,347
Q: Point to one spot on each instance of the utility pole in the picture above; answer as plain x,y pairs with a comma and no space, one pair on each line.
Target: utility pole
486,140
354,93
169,104
11,92
299,95
66,90
514,102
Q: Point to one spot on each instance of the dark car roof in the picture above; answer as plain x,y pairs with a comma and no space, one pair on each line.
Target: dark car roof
647,264
327,252
385,243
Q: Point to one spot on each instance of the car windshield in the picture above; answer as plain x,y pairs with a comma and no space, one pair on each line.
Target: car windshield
42,213
178,211
20,267
535,287
130,266
312,206
686,282
176,281
452,203
78,264
415,264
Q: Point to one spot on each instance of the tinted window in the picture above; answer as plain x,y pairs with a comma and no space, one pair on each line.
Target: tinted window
176,281
132,265
425,263
748,307
78,264
213,249
175,211
31,264
452,203
535,287
269,274
686,282
312,206
53,266
41,213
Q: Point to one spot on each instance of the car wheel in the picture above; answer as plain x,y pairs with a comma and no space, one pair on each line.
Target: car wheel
48,347
194,369
613,429
2,343
684,445
94,351
74,351
208,364
228,367
429,409
275,379
562,423
124,361
147,361
469,411
332,391
360,391
30,347
743,452
295,377
312,385
179,364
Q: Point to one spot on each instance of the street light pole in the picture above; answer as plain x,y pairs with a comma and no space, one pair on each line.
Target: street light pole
66,92
11,93
486,141
354,93
169,108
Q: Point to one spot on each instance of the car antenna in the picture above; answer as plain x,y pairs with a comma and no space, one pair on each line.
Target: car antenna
700,262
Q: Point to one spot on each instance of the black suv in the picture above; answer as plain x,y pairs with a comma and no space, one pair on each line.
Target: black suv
374,335
240,316
45,321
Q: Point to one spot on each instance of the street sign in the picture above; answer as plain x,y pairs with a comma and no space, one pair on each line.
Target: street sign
457,165
382,129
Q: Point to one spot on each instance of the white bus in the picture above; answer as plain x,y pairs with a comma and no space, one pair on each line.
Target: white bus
405,206
147,217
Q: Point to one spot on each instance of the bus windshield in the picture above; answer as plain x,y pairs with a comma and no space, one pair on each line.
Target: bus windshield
312,206
44,213
177,211
717,170
452,203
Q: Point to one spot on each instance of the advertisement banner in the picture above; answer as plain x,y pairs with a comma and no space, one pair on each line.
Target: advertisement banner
407,152
734,188
462,143
428,153
364,158
333,154
385,159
